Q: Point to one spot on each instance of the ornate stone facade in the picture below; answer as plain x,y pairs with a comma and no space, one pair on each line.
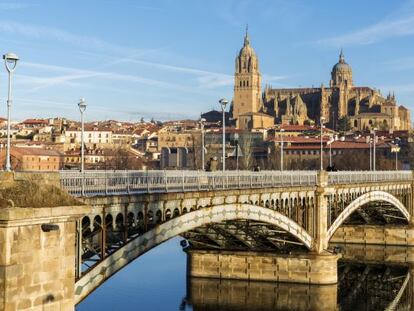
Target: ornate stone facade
365,107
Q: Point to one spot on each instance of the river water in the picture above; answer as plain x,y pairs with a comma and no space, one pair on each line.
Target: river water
157,282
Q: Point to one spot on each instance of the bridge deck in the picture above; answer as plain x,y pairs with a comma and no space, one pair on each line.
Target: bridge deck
95,183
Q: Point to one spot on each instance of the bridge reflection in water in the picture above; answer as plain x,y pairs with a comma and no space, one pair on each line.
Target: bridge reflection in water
369,278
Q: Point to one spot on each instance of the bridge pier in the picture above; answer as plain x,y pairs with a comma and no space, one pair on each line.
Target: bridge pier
321,214
311,268
37,259
397,235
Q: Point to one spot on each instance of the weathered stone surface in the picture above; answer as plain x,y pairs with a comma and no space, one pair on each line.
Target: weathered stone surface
37,267
297,268
380,235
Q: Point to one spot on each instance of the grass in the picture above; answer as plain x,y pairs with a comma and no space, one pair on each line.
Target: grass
26,193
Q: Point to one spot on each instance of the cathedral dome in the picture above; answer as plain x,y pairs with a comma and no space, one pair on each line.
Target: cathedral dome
246,50
341,73
341,66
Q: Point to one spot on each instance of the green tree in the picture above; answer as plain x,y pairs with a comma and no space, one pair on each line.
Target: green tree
344,124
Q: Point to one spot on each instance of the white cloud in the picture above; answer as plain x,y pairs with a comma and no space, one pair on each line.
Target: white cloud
50,33
74,74
404,26
206,79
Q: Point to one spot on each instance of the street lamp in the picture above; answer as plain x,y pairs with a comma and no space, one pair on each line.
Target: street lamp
236,141
396,149
321,121
10,61
370,153
202,120
330,142
223,102
281,149
373,150
82,108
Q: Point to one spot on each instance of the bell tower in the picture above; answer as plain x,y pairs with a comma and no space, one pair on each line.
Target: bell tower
247,81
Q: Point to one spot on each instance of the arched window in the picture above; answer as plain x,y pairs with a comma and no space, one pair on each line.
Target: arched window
240,83
247,82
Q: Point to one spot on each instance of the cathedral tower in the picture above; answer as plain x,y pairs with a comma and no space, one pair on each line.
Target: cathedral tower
341,74
247,81
342,83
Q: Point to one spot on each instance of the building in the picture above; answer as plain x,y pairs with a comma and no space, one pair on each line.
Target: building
365,107
303,152
34,159
93,136
172,137
176,158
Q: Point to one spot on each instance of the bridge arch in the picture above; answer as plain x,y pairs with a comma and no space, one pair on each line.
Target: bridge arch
177,226
368,197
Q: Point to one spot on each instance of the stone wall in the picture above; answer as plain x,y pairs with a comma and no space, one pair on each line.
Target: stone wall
37,268
381,235
298,268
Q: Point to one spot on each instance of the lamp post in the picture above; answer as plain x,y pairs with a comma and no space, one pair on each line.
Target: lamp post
370,153
281,149
396,149
202,120
223,102
82,108
236,141
373,150
321,121
330,151
10,61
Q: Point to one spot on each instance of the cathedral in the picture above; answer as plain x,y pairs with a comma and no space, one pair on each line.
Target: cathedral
364,107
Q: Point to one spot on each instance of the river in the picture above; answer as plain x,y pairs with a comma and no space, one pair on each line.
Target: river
157,282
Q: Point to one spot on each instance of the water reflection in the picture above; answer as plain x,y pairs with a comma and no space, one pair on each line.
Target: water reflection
372,286
361,287
232,295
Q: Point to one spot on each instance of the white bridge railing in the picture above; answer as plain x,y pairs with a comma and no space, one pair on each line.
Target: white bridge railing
93,183
346,177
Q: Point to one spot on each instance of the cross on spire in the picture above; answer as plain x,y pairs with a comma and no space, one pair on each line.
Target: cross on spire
246,37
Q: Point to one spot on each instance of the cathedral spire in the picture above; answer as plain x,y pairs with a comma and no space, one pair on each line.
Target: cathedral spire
246,37
341,57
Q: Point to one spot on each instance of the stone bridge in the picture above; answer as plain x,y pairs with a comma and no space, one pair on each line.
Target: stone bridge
280,212
277,222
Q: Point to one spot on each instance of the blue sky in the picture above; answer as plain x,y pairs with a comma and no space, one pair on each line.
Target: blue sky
173,59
